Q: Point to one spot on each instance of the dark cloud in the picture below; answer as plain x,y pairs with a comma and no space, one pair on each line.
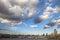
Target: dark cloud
51,24
44,16
9,17
37,20
58,26
3,29
46,27
9,14
3,8
5,13
13,11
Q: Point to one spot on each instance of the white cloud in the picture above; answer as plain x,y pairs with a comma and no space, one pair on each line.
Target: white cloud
5,3
14,10
33,26
13,24
31,12
57,10
23,8
54,10
5,21
46,14
53,23
9,22
34,1
1,19
44,17
58,21
49,11
50,0
21,1
46,26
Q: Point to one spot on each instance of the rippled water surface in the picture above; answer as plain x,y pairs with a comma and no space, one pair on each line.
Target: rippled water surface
25,39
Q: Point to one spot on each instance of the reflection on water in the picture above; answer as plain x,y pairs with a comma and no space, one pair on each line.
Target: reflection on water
25,39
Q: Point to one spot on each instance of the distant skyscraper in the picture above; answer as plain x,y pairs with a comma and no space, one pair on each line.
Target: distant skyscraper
55,32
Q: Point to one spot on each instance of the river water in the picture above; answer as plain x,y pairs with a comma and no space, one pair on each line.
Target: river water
25,39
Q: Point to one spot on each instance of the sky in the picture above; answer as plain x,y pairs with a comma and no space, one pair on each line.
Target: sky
32,17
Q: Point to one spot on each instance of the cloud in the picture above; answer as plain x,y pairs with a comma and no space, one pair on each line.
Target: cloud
33,26
5,21
45,16
22,2
31,13
53,23
9,22
52,10
46,26
47,13
58,22
5,29
50,24
58,25
13,11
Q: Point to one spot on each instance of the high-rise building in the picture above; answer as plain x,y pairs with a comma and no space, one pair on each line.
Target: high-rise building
55,32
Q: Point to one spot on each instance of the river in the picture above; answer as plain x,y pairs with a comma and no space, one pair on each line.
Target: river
25,39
